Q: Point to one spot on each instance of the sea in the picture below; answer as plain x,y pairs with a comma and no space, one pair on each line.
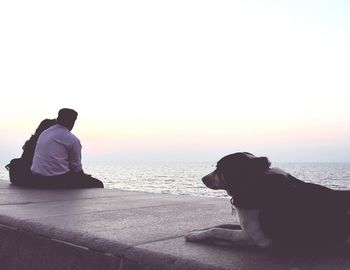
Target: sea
185,178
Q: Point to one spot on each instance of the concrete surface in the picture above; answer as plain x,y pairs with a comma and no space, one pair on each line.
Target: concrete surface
114,229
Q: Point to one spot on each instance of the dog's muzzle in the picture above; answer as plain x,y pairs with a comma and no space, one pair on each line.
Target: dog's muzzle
213,181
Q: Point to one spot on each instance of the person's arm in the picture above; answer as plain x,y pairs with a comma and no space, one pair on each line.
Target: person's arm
75,157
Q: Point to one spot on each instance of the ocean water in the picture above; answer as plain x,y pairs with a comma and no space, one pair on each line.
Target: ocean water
185,178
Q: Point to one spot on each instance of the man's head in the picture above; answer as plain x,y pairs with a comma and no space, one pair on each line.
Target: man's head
66,117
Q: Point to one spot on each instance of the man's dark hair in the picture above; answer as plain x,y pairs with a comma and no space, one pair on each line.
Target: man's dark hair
66,117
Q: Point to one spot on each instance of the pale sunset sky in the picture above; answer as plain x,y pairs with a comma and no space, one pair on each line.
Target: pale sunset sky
189,80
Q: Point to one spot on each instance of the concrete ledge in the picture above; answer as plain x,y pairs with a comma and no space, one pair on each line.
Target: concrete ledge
113,229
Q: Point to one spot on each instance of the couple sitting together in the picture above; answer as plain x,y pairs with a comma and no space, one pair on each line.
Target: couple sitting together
52,157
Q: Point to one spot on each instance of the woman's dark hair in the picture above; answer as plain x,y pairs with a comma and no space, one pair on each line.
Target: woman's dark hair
29,145
45,124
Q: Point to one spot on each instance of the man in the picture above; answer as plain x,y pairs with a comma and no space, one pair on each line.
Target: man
57,157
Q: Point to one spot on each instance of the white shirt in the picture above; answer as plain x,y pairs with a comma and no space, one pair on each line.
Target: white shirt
57,152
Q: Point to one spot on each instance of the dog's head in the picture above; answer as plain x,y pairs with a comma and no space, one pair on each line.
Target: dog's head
236,171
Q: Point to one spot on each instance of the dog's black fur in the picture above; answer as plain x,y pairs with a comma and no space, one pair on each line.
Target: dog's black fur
291,212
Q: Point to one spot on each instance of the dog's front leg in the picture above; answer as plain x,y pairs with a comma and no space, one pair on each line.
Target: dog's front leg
224,226
197,235
237,237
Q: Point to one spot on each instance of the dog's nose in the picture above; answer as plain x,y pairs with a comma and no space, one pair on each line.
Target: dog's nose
205,179
208,180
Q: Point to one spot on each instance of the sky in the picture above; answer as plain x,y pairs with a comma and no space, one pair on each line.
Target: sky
180,81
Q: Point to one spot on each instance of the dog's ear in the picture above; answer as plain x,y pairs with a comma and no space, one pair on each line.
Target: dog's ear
260,164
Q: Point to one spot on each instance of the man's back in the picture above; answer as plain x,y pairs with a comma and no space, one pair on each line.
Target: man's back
57,152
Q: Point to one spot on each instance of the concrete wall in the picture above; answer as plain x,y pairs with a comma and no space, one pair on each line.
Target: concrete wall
113,229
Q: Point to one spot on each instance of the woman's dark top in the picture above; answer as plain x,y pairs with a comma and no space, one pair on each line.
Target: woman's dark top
29,145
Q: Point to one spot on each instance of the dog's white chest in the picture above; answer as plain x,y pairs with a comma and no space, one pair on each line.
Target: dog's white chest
249,220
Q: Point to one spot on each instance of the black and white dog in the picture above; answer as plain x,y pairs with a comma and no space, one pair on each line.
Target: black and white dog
275,208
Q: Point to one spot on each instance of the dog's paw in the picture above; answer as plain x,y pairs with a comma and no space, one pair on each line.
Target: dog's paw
195,236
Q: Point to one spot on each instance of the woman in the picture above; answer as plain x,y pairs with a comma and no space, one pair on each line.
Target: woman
19,168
